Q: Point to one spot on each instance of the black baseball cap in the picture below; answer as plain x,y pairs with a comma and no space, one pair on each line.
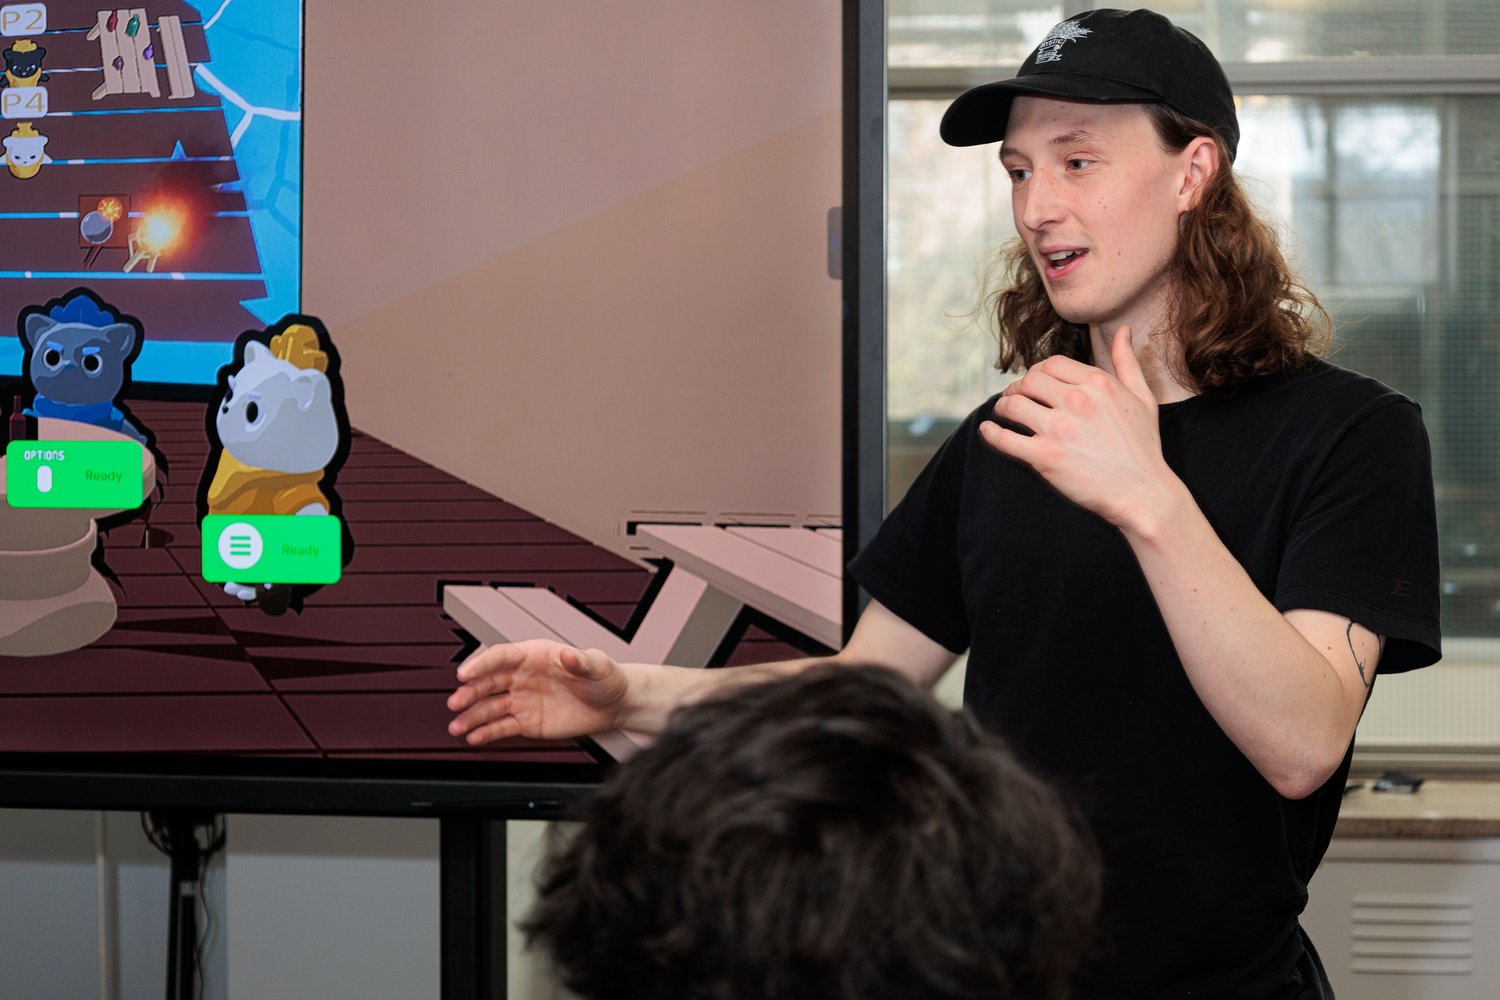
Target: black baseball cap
1112,56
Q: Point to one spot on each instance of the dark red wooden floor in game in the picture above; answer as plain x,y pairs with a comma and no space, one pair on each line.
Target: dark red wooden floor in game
365,668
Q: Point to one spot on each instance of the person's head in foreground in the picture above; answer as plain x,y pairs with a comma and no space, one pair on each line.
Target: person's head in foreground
1119,133
837,835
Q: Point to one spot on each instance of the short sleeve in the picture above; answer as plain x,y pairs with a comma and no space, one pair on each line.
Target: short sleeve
1364,542
911,565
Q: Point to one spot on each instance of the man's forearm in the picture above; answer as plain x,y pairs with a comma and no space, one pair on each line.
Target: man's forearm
880,638
1273,693
655,691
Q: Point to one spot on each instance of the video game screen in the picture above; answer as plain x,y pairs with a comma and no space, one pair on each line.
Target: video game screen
200,555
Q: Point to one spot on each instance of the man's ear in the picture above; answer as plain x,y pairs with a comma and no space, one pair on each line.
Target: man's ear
1201,158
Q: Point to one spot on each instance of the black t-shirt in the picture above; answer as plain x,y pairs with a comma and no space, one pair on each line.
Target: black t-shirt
1319,483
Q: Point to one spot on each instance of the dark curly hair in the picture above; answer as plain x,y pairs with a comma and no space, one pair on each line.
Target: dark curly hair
836,835
1239,312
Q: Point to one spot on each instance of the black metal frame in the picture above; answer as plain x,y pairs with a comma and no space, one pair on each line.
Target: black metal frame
472,904
471,810
864,124
291,787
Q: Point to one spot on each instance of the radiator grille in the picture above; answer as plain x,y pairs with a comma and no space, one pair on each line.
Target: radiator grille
1413,933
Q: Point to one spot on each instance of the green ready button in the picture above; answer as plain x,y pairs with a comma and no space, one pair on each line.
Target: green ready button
90,475
272,548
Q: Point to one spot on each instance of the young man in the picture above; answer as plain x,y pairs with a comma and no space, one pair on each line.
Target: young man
837,835
1176,550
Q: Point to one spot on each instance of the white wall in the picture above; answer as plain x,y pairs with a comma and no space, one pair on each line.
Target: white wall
332,907
48,922
335,908
83,909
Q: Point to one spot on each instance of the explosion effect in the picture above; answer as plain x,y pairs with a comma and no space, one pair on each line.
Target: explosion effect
172,217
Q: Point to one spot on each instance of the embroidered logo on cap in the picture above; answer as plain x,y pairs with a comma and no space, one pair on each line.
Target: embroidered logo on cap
1051,48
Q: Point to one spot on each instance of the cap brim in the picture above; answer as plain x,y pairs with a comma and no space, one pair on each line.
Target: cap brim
980,115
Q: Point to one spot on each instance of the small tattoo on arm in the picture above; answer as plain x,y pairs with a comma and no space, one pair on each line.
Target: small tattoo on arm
1369,681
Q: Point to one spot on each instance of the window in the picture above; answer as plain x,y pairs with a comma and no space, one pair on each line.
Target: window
1369,137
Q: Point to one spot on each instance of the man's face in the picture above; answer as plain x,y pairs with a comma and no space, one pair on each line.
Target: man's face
1097,201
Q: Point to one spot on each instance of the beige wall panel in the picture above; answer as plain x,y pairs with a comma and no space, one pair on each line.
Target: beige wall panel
438,137
678,350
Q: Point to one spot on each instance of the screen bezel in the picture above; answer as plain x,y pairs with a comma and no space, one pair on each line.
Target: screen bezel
228,783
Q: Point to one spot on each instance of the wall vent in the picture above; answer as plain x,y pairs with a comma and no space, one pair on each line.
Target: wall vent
1412,933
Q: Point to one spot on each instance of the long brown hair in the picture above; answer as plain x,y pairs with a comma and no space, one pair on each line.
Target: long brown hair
1238,312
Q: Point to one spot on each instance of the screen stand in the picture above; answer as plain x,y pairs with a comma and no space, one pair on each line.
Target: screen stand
188,858
473,905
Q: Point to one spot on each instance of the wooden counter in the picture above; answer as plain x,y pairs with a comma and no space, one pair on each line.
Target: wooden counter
1439,809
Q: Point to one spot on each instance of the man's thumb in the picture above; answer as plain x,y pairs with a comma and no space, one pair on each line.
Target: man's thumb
1128,366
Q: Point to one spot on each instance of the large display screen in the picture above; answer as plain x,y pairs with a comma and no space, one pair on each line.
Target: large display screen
219,554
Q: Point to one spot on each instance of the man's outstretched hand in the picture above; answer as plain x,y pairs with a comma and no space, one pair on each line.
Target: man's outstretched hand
538,689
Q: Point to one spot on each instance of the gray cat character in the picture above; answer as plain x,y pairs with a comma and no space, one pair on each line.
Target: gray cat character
78,356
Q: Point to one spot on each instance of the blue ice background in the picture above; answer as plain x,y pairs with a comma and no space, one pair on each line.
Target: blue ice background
256,50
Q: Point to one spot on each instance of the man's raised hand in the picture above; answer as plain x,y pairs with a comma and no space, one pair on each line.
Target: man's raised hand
1095,436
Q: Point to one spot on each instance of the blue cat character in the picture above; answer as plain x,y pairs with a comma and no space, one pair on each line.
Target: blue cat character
79,353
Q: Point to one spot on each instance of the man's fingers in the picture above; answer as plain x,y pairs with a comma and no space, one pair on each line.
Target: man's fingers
1007,441
1128,366
487,659
1064,369
480,714
1122,353
500,729
481,687
461,699
1049,382
1027,412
